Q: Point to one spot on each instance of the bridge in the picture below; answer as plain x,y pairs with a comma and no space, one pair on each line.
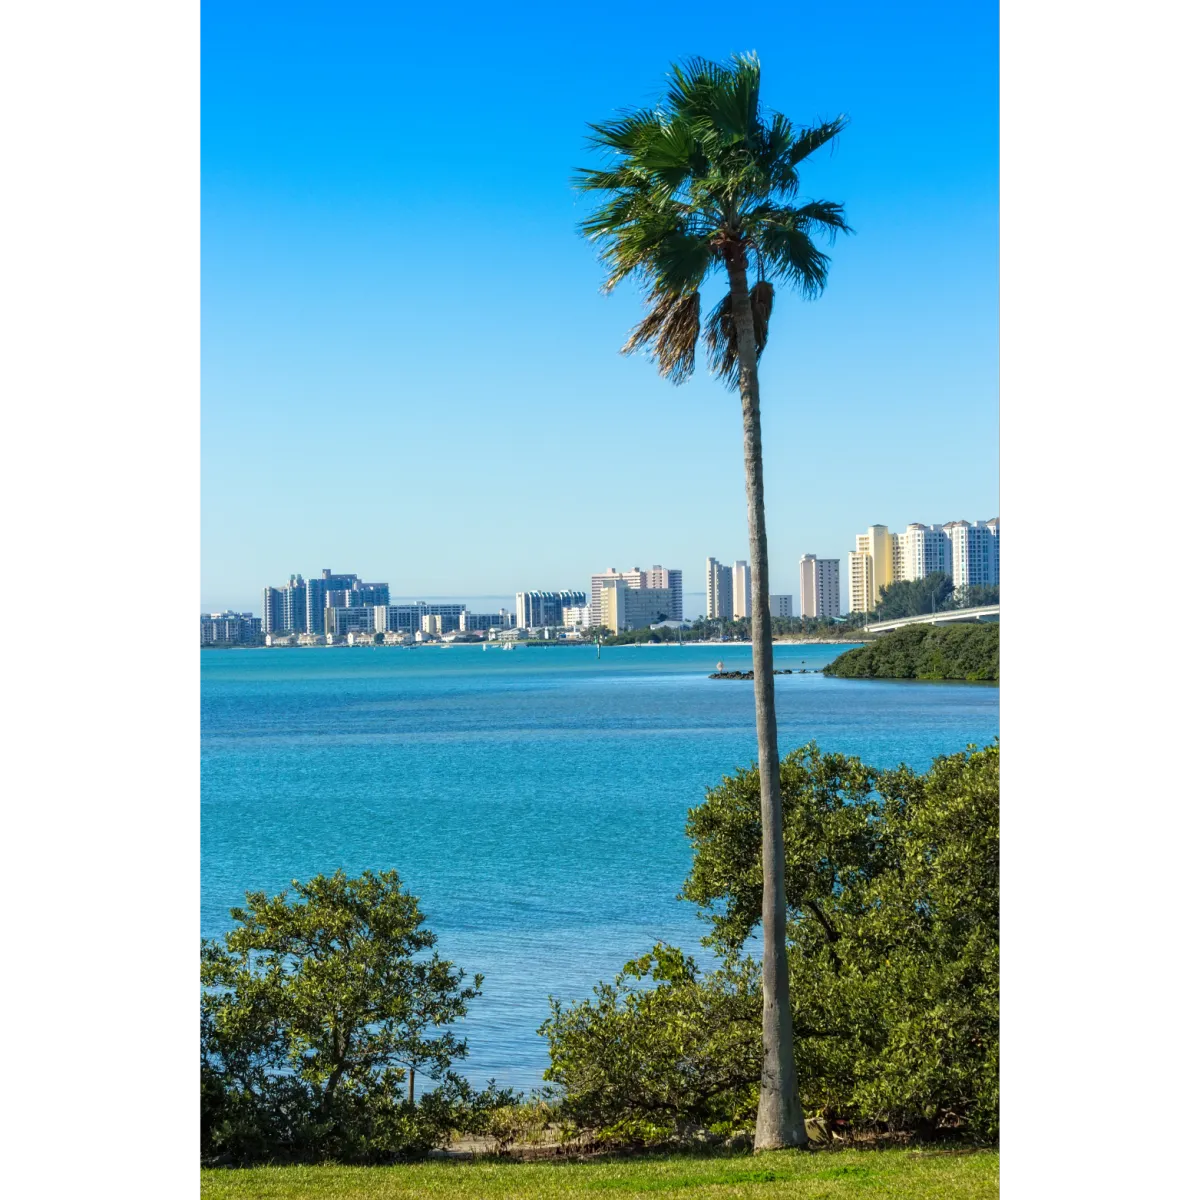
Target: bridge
984,612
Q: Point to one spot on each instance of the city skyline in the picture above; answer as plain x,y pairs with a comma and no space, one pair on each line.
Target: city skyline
345,420
782,582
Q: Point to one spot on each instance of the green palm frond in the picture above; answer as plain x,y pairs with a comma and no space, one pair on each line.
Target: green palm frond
810,140
699,183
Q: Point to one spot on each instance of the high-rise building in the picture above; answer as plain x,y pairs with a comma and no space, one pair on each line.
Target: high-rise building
741,589
820,587
670,578
284,607
968,552
923,550
873,564
718,590
315,597
536,610
781,606
623,606
975,550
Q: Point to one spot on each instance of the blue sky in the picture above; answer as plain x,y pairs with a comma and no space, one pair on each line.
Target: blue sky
409,370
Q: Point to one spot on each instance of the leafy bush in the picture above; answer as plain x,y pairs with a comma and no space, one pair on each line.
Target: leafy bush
969,652
641,1062
892,883
315,1012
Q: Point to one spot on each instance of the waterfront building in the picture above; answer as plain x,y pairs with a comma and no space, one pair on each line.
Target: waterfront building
781,606
968,552
624,607
407,618
820,587
923,550
718,590
469,622
284,607
577,617
658,577
431,623
975,552
338,591
230,629
873,564
540,609
741,589
451,614
343,620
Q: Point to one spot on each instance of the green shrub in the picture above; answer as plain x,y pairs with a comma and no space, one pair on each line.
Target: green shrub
314,1013
892,883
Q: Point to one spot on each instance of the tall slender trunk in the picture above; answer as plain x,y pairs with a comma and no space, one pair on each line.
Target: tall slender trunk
780,1118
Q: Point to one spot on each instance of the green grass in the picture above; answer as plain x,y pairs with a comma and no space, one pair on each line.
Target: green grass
825,1175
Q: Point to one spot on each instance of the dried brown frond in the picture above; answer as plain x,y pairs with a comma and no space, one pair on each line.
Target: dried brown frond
673,325
721,334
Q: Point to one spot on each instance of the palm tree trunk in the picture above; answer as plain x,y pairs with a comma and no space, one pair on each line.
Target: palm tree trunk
780,1118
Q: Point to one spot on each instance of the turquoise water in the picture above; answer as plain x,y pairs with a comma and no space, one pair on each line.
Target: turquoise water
534,800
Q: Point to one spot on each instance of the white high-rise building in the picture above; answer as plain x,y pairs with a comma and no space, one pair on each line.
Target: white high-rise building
657,577
781,606
741,589
820,587
718,590
975,550
923,550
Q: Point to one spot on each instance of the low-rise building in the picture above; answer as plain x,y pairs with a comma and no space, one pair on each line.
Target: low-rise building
340,621
781,606
230,629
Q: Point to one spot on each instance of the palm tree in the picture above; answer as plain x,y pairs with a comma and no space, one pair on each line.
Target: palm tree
704,184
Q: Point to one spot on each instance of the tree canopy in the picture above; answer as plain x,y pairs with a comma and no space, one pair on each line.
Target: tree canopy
315,1010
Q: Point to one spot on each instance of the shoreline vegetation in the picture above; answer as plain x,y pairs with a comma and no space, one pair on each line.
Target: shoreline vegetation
309,1047
963,653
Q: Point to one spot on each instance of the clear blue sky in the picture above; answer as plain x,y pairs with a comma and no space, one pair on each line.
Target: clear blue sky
409,370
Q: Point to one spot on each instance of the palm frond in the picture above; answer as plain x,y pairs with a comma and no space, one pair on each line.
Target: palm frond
807,141
792,255
703,182
673,325
720,332
826,214
624,132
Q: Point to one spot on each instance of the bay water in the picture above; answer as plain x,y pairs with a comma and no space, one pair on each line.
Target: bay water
533,799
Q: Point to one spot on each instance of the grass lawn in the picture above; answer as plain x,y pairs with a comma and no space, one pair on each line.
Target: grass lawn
829,1175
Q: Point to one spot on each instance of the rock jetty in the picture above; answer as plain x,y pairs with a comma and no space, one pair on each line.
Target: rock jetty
750,674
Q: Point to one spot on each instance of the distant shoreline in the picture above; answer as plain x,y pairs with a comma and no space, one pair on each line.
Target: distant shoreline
795,641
